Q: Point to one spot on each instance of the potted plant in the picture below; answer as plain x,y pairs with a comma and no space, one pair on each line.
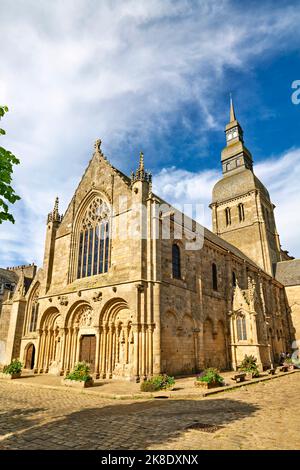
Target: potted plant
13,370
209,378
249,366
79,377
158,382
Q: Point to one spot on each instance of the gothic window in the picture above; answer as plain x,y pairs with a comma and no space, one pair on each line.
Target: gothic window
93,246
228,215
241,328
214,277
241,212
34,317
233,279
176,261
34,310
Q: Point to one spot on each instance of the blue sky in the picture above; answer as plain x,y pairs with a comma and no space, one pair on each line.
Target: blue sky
149,75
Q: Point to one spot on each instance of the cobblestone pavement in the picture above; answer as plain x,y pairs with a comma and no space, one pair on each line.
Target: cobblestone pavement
260,416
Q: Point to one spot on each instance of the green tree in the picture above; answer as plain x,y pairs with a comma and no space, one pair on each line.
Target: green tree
7,193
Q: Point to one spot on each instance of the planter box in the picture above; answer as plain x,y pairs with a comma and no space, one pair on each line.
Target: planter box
77,383
250,376
206,385
10,376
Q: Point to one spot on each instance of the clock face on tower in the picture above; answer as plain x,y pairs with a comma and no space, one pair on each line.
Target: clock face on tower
229,136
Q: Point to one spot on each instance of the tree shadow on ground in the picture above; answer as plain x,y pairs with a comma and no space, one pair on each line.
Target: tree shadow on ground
138,425
18,420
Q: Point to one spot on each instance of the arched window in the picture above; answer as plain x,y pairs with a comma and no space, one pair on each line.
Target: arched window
176,261
214,277
241,328
93,250
34,310
233,279
241,212
228,216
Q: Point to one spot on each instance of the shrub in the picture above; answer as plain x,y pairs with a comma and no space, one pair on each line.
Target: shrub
158,382
210,375
15,367
249,365
81,372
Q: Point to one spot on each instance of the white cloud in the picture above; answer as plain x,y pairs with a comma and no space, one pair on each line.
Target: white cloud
281,176
75,70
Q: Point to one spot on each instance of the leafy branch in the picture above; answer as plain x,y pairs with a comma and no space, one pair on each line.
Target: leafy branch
7,193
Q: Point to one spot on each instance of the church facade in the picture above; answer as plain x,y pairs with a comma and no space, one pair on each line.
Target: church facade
134,288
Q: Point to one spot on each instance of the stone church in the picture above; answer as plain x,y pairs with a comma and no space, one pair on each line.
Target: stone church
135,288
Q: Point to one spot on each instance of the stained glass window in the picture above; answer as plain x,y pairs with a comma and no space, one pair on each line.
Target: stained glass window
94,240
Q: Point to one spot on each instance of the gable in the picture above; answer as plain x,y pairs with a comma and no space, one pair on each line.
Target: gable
100,176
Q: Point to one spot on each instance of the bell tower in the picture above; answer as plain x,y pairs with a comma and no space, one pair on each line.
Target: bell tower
242,211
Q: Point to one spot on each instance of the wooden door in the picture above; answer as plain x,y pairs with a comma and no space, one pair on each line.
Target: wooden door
88,350
29,362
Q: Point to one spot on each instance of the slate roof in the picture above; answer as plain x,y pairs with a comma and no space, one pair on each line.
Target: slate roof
8,276
288,272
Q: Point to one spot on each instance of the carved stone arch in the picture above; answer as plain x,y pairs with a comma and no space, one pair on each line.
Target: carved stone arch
79,309
111,309
188,324
86,201
48,318
170,319
50,325
32,310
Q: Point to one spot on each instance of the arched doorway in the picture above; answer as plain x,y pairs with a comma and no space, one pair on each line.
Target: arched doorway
30,356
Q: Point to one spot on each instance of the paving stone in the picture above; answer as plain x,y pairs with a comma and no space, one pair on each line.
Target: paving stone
259,417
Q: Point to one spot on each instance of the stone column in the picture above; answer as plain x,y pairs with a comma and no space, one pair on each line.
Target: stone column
233,340
68,350
38,352
150,350
196,332
110,350
44,351
98,337
136,360
157,331
75,345
48,350
64,337
103,351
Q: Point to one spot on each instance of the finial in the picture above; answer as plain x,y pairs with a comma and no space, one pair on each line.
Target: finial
141,174
141,165
97,145
232,113
54,216
55,210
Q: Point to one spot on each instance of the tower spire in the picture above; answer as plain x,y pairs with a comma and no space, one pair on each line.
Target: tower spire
141,165
54,216
141,174
232,113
